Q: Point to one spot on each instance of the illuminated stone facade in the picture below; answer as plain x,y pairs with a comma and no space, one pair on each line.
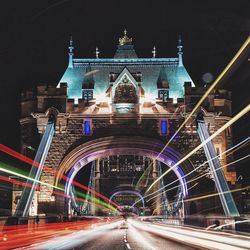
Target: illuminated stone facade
123,101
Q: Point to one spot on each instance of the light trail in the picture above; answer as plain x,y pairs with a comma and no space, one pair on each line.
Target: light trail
233,223
231,63
232,149
8,179
203,175
229,123
147,171
213,195
34,236
25,159
76,239
95,200
135,233
151,164
6,170
218,79
196,238
88,197
195,179
93,192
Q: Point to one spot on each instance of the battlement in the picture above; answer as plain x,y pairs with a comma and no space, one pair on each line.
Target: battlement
218,101
223,94
28,95
28,102
51,90
51,96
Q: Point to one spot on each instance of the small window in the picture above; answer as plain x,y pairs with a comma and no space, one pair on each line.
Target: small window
87,95
164,127
163,94
87,127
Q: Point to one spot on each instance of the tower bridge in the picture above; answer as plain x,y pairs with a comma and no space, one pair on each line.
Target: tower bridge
115,116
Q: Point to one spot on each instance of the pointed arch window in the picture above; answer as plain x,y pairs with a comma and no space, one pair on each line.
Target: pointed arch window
125,92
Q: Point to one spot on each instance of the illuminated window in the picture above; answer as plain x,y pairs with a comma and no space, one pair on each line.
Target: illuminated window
125,92
163,94
87,95
87,127
164,127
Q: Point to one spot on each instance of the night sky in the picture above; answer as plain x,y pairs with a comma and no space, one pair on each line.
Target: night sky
35,35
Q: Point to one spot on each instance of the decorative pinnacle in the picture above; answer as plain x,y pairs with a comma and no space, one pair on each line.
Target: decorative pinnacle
125,39
97,52
71,41
154,52
71,54
179,46
71,47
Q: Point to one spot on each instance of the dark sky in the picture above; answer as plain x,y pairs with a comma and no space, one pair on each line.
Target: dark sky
35,34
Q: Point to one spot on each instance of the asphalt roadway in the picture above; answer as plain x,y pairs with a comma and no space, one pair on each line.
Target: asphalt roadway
134,234
131,238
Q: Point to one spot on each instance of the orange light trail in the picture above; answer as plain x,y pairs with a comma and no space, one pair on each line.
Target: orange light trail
28,236
213,85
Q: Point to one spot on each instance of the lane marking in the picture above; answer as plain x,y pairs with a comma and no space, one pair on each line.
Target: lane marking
128,246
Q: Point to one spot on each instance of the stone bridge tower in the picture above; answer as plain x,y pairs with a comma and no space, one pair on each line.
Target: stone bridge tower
119,113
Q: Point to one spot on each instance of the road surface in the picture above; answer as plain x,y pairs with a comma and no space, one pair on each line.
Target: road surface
131,238
116,234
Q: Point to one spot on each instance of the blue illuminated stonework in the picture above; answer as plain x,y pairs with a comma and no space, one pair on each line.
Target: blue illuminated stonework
87,128
156,73
164,127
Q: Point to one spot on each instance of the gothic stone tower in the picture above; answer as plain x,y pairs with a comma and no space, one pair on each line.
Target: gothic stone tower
119,113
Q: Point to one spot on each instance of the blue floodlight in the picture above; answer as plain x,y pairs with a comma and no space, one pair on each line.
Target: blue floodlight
164,127
87,128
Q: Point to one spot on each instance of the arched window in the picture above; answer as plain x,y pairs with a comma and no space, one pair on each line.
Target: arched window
125,92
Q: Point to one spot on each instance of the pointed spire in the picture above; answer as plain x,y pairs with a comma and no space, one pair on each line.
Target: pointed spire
71,48
180,52
97,52
154,52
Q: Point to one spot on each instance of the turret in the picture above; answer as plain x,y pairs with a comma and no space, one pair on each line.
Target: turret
180,52
71,47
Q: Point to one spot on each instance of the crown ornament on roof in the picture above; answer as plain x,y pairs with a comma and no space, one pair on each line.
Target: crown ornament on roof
125,39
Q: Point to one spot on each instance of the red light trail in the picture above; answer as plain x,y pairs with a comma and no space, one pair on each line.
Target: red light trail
25,159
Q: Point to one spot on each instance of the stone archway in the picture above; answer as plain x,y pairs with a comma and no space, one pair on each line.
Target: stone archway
137,193
122,145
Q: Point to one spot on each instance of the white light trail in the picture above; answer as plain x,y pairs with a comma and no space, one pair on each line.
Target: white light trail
228,124
203,175
203,164
139,237
195,237
213,85
233,223
28,178
75,239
